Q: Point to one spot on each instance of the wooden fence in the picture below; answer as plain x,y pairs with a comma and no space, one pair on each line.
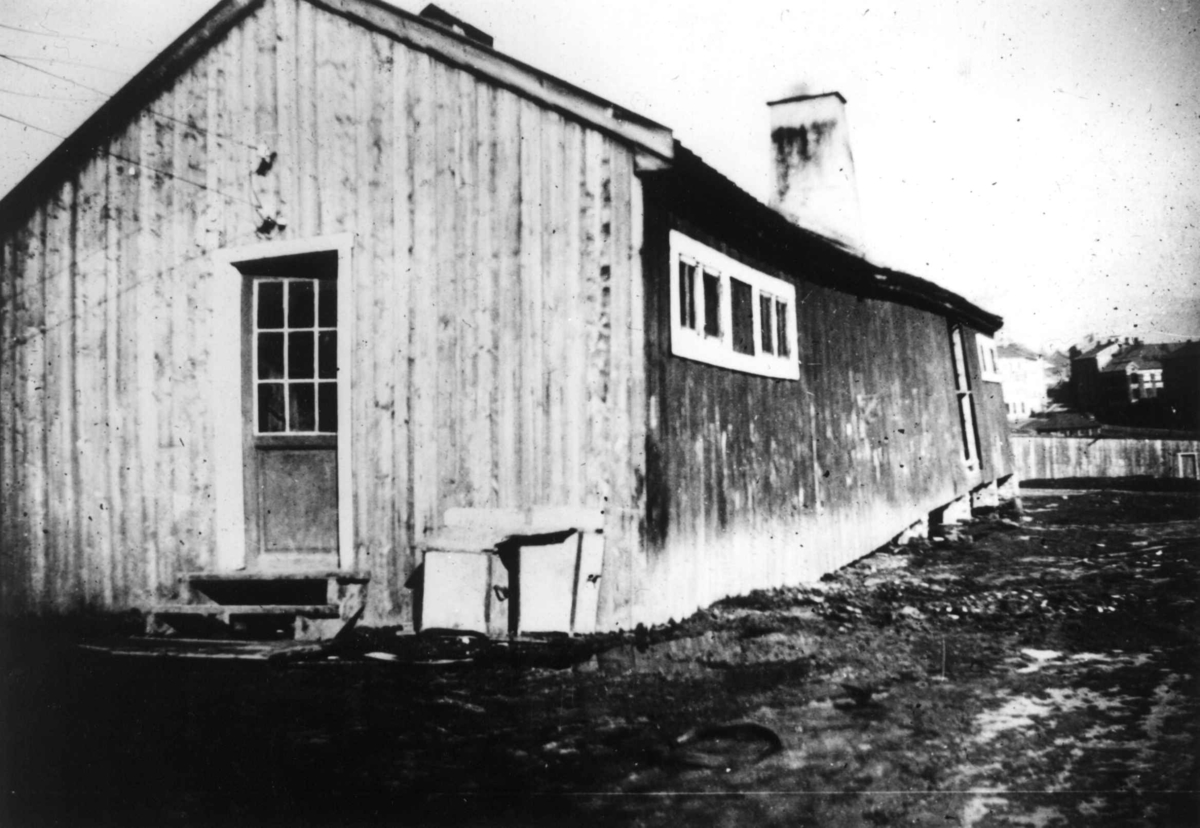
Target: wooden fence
1058,457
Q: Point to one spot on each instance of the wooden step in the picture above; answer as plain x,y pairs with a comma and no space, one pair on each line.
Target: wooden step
341,575
225,610
266,588
210,619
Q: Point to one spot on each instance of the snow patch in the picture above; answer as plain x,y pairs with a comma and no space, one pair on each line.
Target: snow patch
1014,714
1040,659
978,807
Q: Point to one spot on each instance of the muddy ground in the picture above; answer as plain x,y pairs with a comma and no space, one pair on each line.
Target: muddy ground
1036,670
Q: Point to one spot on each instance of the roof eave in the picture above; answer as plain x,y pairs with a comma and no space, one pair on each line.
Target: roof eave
696,180
522,78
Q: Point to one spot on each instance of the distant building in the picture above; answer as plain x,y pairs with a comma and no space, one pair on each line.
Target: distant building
1023,373
1120,379
1063,424
1181,385
1058,378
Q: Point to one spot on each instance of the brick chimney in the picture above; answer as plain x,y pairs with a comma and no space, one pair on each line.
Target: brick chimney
814,182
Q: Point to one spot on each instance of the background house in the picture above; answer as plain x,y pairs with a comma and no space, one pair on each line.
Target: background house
1181,385
334,298
1121,380
1024,375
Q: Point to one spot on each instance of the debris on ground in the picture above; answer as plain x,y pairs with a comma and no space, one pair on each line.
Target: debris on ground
1023,670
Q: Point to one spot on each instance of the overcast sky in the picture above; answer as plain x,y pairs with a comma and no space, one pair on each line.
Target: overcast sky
1040,158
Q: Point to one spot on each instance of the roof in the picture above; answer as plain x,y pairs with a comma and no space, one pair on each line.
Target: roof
1188,350
1063,421
1015,351
1139,356
702,194
1095,349
654,142
760,226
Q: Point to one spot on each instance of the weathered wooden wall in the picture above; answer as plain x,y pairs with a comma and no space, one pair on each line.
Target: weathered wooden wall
756,482
495,279
1047,458
995,453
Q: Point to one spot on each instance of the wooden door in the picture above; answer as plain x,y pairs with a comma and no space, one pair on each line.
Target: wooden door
290,412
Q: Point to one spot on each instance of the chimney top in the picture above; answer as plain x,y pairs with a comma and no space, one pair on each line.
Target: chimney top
814,184
795,98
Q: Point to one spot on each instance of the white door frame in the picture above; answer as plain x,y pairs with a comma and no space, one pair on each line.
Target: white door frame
225,379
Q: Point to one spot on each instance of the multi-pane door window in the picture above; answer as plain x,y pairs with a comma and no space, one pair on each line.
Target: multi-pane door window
295,356
728,314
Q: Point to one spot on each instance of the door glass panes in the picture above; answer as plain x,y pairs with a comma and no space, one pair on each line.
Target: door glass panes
295,356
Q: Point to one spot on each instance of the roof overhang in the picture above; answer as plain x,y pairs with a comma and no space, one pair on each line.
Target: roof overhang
699,193
645,135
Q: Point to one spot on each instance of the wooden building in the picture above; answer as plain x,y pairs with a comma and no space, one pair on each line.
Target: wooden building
328,283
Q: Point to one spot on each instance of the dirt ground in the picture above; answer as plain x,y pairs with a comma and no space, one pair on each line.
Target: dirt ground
1032,670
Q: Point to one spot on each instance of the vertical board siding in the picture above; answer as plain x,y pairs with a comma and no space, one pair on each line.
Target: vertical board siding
498,346
1048,458
755,482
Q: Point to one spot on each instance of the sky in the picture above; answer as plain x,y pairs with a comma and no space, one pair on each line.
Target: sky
1042,159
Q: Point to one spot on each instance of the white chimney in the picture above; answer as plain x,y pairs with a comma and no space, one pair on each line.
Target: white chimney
814,182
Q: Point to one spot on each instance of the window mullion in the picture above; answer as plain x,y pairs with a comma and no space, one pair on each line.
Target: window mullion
255,381
755,326
287,367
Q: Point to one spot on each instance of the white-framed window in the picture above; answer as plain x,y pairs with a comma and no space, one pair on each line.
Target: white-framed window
730,315
966,405
988,370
